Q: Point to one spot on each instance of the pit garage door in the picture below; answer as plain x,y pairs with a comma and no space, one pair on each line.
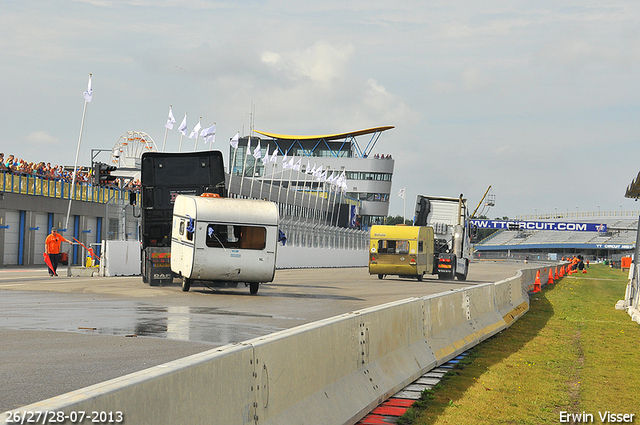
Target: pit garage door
39,237
11,238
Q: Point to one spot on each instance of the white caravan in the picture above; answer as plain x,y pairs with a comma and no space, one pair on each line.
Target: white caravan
224,241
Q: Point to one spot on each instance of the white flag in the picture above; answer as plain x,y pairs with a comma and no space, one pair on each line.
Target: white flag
342,182
209,134
194,132
234,140
401,193
87,95
257,152
183,125
332,178
266,158
274,157
249,146
170,120
296,167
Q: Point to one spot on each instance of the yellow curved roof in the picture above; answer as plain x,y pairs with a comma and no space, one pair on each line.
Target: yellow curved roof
327,136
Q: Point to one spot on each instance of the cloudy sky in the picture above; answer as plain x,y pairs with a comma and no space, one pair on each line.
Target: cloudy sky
539,99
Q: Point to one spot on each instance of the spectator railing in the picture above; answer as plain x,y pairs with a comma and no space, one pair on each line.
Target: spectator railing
40,186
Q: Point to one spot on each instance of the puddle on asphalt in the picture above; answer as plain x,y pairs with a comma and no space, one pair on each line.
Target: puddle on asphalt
83,313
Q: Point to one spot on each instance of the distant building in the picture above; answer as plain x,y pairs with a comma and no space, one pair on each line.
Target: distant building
368,174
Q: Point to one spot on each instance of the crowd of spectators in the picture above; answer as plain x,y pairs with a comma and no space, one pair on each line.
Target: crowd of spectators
382,156
18,166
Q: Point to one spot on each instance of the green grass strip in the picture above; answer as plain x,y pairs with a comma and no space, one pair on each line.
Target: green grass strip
573,353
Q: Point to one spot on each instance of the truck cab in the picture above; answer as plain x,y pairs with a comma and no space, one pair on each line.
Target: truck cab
164,176
449,218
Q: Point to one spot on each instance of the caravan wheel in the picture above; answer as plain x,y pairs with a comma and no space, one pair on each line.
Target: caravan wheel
253,288
186,284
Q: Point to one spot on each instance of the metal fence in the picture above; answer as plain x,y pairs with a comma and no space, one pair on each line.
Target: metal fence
26,184
314,235
123,220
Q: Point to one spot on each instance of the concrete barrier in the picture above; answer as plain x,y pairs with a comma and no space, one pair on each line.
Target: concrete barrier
332,371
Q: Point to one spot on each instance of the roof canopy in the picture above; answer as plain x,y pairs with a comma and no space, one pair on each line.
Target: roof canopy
336,136
324,138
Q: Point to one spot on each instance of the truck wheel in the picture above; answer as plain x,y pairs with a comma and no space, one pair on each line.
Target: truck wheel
420,278
186,284
253,288
380,276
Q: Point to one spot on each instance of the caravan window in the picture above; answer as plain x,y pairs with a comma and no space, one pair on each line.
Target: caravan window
237,237
393,247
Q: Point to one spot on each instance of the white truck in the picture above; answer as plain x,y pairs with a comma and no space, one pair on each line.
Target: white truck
449,218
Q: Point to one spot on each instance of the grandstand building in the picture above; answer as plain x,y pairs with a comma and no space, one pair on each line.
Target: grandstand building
616,238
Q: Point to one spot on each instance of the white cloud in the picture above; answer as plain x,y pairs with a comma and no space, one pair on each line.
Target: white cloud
321,63
40,138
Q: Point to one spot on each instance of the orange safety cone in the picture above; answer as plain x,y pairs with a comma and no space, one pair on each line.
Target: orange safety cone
550,280
556,275
536,284
561,271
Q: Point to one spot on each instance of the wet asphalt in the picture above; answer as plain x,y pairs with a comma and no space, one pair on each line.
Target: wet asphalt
64,333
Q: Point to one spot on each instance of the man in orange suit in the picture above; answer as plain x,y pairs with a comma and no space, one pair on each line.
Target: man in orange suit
52,249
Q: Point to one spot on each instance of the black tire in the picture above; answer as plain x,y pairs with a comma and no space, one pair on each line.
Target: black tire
380,276
253,288
186,284
420,278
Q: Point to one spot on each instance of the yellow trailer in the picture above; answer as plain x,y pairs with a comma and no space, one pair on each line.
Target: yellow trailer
405,251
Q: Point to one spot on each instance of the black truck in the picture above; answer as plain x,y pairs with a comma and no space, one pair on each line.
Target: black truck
163,177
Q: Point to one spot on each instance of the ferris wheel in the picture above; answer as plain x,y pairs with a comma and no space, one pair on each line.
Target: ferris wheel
129,147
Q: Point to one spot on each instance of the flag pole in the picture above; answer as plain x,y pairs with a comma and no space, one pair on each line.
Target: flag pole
166,130
235,152
265,171
214,137
182,129
286,197
164,144
304,186
281,178
244,164
195,147
404,206
309,216
75,166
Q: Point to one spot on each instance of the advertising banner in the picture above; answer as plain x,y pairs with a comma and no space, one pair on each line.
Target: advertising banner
539,225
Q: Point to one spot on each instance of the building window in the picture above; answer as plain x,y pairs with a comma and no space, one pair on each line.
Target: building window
362,175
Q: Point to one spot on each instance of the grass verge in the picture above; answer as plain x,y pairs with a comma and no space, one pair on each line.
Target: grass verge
572,352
